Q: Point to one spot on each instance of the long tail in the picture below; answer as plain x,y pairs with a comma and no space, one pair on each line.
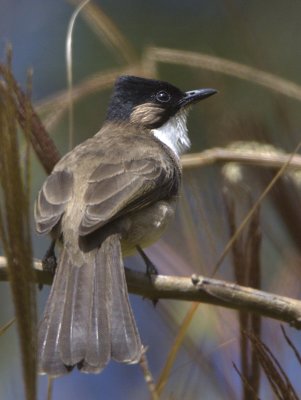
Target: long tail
88,318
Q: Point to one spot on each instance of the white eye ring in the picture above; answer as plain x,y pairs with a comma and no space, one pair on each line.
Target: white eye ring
163,96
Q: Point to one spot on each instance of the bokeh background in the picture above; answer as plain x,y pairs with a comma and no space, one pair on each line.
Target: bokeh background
264,35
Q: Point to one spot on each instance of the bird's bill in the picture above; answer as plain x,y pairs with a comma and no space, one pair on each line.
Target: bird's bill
194,96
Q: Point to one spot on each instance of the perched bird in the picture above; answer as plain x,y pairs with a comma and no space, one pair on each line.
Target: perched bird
110,195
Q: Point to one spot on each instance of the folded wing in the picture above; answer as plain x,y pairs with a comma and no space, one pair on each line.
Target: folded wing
118,188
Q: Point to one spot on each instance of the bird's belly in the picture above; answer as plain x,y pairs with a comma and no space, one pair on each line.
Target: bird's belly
146,226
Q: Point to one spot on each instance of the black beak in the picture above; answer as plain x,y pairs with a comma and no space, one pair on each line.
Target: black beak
196,95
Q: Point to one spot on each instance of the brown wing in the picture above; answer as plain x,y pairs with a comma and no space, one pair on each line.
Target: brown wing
51,201
118,188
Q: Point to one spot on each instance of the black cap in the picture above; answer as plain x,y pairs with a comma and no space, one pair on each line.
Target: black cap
164,99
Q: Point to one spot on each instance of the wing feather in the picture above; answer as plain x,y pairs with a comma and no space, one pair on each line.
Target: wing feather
114,189
52,198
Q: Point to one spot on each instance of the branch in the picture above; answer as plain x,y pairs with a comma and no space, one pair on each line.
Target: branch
242,156
199,289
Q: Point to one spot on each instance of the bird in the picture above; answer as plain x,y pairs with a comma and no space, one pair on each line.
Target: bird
112,194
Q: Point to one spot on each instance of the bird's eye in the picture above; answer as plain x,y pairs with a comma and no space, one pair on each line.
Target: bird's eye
163,96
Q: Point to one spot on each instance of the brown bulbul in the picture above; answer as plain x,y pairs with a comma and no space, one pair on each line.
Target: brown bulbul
112,193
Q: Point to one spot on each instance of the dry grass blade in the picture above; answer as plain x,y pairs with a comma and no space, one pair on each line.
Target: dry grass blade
108,32
42,143
291,344
15,228
253,209
57,105
286,198
69,68
277,377
5,327
175,348
246,383
216,64
246,264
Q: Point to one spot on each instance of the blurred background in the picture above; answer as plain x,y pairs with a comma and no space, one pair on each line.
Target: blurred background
262,35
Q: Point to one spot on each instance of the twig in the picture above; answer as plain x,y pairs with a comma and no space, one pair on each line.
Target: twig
148,377
50,381
199,289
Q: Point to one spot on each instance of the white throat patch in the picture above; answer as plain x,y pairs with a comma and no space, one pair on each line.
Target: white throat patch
174,133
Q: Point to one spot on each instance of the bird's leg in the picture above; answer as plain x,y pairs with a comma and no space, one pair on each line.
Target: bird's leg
49,262
150,267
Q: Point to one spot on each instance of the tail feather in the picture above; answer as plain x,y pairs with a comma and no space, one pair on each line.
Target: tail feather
50,326
73,335
88,318
126,344
98,348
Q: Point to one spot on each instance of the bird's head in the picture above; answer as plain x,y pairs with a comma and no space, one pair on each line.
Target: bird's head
155,105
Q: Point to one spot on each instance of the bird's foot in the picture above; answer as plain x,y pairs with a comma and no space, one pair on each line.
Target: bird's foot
151,269
49,262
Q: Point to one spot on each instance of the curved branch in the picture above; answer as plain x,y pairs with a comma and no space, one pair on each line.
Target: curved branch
242,156
199,289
